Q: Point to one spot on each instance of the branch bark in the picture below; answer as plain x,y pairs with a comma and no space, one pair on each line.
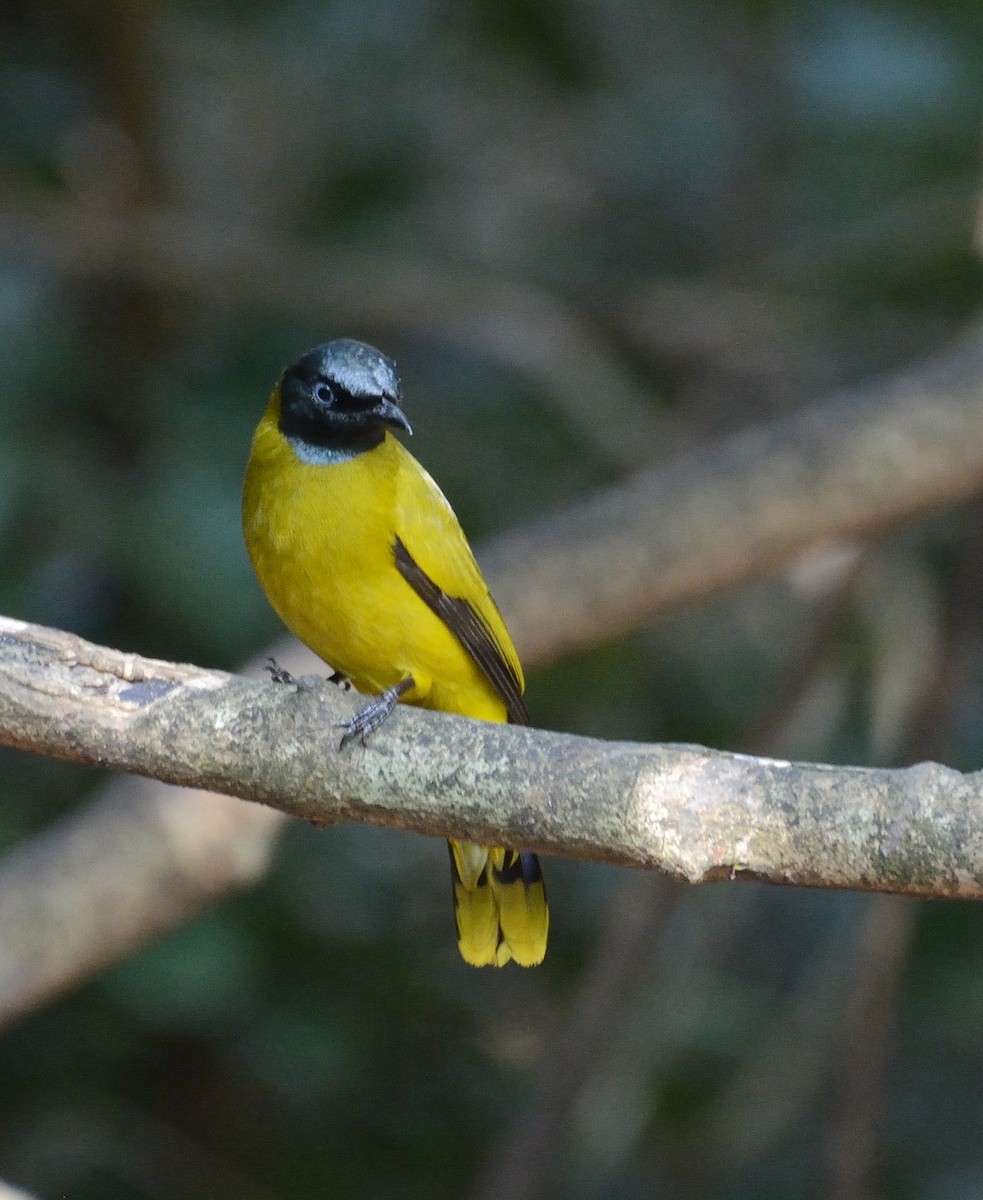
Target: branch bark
692,813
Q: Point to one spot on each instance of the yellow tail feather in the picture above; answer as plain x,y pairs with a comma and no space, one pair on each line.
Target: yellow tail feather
500,905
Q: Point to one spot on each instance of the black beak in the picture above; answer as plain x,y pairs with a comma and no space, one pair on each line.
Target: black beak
390,413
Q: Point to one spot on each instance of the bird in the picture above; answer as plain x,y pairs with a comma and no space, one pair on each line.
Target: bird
362,558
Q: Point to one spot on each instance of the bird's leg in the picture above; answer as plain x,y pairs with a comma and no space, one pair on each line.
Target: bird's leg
368,719
279,675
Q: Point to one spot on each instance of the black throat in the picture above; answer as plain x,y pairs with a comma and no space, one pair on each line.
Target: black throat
344,436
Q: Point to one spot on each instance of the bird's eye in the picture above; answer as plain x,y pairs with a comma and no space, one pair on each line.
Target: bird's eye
323,393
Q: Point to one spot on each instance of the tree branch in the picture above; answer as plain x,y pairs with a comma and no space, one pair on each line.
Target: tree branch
862,462
138,862
693,813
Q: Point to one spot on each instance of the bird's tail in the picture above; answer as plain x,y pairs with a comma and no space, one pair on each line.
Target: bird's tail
499,904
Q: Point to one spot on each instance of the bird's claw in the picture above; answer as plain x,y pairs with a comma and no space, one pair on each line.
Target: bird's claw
306,682
277,673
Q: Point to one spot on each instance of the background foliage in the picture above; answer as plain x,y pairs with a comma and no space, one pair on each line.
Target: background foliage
721,210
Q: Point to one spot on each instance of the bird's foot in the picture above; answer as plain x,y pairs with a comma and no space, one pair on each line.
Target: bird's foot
279,675
368,719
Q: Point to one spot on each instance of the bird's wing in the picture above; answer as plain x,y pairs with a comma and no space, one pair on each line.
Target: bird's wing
433,556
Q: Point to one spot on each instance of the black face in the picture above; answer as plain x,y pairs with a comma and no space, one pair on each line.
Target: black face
340,396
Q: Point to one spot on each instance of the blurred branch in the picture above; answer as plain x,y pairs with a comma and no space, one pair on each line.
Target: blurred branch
751,503
141,860
693,813
522,1165
854,1150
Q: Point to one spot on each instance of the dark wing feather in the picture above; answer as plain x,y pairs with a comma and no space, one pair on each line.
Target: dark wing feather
467,625
520,866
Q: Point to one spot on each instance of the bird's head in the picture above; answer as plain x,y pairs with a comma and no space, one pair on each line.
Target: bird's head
340,396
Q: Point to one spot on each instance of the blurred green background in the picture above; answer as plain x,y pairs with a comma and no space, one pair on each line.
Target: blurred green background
719,210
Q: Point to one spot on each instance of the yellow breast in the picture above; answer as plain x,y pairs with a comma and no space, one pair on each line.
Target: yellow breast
321,539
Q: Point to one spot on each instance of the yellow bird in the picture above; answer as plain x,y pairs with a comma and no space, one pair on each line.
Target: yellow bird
363,559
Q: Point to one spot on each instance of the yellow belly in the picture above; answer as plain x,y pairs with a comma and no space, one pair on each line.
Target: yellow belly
321,541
